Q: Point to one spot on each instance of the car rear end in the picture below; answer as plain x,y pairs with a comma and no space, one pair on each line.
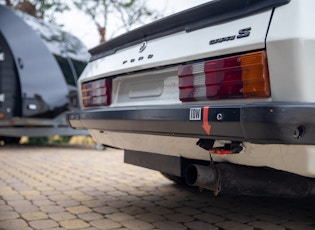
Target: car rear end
233,79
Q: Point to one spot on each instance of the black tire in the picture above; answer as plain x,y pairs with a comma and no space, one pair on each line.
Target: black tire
176,179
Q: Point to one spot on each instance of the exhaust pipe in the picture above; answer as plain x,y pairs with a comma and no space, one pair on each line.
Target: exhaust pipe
204,177
251,181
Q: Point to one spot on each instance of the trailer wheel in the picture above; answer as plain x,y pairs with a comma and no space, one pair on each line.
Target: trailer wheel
178,180
10,140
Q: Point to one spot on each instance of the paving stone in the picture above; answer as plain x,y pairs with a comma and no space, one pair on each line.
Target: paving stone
232,225
179,218
82,198
216,211
91,228
159,210
105,210
8,215
118,204
90,216
169,225
143,203
150,217
118,217
67,203
78,188
132,210
105,224
271,219
14,224
52,209
17,203
43,202
78,209
207,217
43,224
26,208
7,191
36,198
34,216
298,225
13,197
188,210
51,192
62,216
30,193
197,225
44,189
94,203
266,225
74,224
136,224
58,197
240,217
5,207
117,193
169,204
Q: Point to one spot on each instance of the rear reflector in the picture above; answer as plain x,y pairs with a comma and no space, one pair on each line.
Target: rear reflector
97,92
244,76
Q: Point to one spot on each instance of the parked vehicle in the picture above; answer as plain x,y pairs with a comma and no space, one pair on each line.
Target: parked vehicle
39,66
219,96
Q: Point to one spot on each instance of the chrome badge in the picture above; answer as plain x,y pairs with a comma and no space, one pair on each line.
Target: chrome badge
142,47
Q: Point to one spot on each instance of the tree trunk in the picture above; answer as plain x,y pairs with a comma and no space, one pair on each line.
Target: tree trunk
8,3
27,7
102,32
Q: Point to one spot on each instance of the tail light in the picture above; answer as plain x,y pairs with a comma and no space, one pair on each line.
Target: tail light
97,92
244,76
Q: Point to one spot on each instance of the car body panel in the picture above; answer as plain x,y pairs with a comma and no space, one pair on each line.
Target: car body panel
146,115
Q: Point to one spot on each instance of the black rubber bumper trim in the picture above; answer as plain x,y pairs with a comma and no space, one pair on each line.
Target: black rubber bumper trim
257,123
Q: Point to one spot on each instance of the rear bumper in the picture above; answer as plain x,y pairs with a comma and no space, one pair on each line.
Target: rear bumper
266,123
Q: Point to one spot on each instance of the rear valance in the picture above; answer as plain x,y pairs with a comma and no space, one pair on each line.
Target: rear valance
189,20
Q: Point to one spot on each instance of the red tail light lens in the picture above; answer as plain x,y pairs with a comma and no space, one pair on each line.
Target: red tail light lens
186,82
224,78
233,77
97,92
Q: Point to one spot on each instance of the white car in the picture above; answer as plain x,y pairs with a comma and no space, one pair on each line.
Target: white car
219,96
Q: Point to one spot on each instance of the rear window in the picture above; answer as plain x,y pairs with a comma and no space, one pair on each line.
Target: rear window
78,66
66,70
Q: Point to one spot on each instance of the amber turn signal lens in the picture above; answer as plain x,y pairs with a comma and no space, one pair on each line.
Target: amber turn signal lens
255,75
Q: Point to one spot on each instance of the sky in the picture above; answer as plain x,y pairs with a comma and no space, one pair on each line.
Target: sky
80,25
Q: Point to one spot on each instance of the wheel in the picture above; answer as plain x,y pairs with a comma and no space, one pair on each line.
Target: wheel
10,140
178,180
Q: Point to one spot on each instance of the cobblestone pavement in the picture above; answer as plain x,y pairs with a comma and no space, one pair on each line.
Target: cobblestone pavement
53,187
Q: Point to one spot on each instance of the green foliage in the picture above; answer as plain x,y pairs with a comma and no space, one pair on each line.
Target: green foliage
38,140
60,139
48,140
128,4
48,8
